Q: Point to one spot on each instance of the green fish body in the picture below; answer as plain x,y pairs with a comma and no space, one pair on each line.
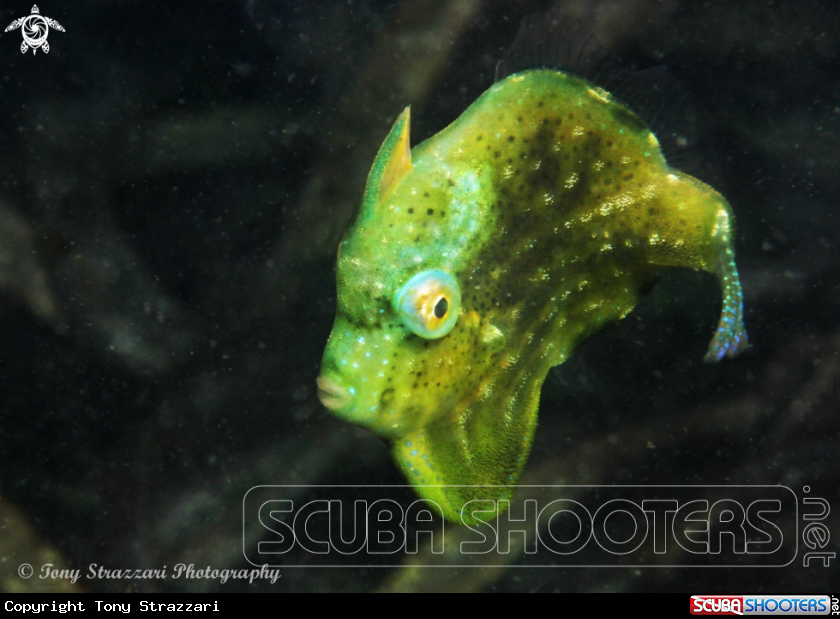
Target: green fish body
482,257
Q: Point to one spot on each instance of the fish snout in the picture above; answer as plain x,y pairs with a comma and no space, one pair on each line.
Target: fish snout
332,395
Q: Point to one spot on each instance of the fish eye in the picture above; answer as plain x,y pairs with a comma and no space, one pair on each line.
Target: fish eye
428,303
441,307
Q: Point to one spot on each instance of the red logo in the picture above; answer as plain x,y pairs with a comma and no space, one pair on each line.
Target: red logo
717,605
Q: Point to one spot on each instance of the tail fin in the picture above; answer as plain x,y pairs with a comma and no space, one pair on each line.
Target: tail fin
731,337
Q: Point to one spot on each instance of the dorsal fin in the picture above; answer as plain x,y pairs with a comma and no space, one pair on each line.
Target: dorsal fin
547,41
554,41
392,163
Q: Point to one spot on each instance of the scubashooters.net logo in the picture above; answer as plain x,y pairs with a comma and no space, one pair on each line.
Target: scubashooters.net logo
564,526
35,29
798,605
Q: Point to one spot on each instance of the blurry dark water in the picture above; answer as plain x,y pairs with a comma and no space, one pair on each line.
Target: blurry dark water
174,179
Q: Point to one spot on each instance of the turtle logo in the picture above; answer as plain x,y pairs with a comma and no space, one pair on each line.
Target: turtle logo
35,29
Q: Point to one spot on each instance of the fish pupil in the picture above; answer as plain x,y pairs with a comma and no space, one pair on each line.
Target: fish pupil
441,307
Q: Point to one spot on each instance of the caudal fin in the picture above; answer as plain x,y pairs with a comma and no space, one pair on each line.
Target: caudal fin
731,336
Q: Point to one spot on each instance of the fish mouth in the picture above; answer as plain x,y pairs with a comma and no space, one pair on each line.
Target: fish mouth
332,395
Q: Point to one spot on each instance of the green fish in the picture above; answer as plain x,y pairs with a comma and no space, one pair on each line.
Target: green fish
482,257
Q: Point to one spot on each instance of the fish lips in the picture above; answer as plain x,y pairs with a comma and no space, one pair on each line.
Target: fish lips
332,395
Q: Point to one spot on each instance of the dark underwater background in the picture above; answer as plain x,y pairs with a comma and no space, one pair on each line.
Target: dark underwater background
175,177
